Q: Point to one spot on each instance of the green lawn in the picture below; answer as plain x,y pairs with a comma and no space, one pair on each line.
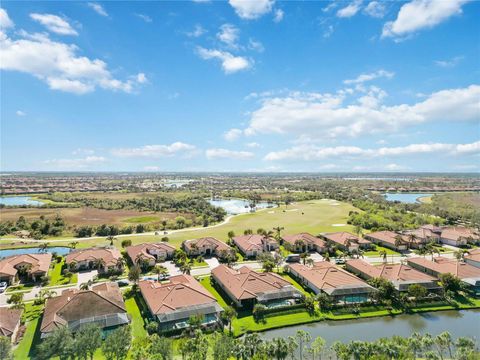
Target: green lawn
138,323
295,283
57,278
23,287
207,285
31,316
379,248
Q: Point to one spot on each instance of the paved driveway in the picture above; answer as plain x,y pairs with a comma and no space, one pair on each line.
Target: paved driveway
86,276
212,262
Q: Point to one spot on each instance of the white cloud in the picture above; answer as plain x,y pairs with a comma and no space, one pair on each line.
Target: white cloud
395,167
54,23
306,152
251,9
20,113
278,15
82,151
230,62
375,9
421,14
449,63
253,145
255,45
97,8
155,151
196,32
72,164
349,10
5,21
144,17
228,154
315,115
58,64
371,76
228,34
232,134
141,78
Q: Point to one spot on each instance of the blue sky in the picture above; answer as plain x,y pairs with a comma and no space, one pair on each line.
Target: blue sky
240,86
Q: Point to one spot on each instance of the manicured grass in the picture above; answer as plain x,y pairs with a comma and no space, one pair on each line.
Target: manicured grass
197,263
295,283
207,285
57,278
31,338
23,287
138,323
376,252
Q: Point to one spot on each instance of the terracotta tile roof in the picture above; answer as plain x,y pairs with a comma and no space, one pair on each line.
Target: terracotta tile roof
74,304
109,255
9,319
40,263
246,283
145,249
342,237
441,265
387,236
473,255
327,277
207,242
179,292
392,272
458,232
307,238
251,242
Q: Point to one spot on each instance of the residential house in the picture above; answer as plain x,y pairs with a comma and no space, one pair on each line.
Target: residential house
255,244
402,276
246,287
25,266
346,241
423,235
150,252
473,257
389,239
304,242
173,303
102,258
102,305
457,235
207,246
10,322
469,274
324,277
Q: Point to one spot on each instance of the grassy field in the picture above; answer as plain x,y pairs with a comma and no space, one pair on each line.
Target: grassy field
57,278
309,216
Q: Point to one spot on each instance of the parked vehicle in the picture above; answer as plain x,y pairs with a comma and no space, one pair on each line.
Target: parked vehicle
122,283
3,286
339,261
292,258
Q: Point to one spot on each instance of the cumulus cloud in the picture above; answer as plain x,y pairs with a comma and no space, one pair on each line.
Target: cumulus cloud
155,151
251,9
228,34
228,154
278,15
232,134
308,152
349,10
59,65
20,113
54,23
230,63
421,14
375,9
97,8
5,21
252,145
83,151
370,76
197,31
331,115
78,163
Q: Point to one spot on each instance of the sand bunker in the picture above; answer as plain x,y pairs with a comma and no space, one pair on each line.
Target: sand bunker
338,224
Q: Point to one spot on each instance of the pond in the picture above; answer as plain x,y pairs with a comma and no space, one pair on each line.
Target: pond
60,250
237,206
19,200
409,198
458,323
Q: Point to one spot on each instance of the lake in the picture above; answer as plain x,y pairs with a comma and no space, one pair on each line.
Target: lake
458,323
60,250
409,198
237,206
19,200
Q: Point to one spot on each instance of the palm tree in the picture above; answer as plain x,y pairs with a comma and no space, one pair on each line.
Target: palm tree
86,285
186,268
100,264
303,338
160,270
278,232
73,244
43,247
459,255
228,315
398,241
280,348
383,254
230,236
358,230
411,239
121,263
444,342
111,238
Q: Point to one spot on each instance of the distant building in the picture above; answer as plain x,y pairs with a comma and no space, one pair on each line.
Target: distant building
346,241
102,305
449,235
255,244
469,274
29,266
207,246
324,277
304,242
388,239
173,303
402,276
103,259
245,287
150,252
10,322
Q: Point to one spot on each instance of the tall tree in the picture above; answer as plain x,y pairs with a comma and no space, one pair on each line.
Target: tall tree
161,348
117,344
5,348
59,344
87,340
303,338
228,315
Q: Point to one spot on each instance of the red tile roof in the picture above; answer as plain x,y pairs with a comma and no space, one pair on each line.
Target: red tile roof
9,319
40,263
